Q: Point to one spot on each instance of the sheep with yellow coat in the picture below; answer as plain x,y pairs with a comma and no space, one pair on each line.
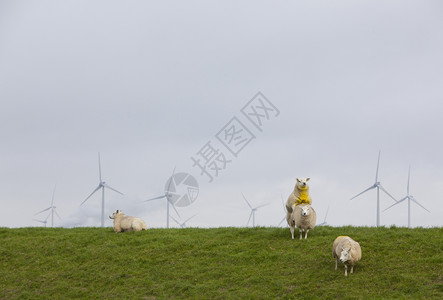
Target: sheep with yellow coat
300,195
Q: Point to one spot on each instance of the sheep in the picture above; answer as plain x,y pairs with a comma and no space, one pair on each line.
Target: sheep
124,223
300,194
347,251
303,217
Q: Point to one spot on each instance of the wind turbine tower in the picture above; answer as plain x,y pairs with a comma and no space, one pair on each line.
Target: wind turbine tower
170,191
102,185
410,198
377,185
51,213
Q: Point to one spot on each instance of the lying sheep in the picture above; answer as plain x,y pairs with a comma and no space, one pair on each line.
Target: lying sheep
124,223
347,251
300,195
303,217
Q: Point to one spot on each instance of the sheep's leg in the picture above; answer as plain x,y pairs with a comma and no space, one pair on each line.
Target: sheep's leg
292,231
336,262
306,234
301,233
352,269
346,270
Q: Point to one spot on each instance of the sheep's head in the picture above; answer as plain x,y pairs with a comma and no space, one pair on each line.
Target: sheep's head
115,214
345,254
305,210
302,183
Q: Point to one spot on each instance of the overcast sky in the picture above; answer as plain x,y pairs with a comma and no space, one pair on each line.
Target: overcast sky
149,83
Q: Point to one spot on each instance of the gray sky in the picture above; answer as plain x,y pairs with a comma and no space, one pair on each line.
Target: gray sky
148,83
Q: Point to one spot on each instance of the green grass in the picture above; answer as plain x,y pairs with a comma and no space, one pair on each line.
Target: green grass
219,263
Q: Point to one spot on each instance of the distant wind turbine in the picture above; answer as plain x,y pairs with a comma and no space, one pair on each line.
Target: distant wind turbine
182,225
410,198
253,210
102,185
379,187
51,213
324,221
169,193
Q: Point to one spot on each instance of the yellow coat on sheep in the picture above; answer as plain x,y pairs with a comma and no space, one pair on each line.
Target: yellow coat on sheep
300,195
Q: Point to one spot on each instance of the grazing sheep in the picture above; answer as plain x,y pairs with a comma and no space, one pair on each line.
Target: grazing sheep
303,217
300,195
347,251
124,223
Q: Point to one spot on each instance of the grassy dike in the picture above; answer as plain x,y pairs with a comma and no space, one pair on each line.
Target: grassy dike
217,263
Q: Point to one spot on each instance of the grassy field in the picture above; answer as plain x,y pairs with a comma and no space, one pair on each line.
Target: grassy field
218,263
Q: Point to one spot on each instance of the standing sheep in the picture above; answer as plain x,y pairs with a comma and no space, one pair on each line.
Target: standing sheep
347,251
303,217
124,223
300,195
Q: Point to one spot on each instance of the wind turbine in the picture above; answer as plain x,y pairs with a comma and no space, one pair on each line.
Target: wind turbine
102,185
377,185
410,198
324,221
51,213
182,225
168,195
253,210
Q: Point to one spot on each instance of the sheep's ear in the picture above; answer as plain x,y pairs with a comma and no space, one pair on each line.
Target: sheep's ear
298,180
307,179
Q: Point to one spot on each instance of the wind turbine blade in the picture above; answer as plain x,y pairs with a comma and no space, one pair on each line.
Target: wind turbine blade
170,181
159,197
47,217
107,186
46,209
189,219
383,189
369,188
262,205
176,221
44,222
246,201
173,206
283,202
284,218
398,202
99,168
327,211
91,194
58,215
419,204
250,216
378,163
